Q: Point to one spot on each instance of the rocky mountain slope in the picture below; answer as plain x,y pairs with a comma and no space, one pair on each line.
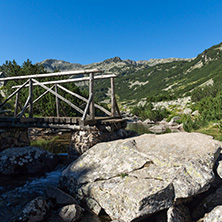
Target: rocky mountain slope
155,77
115,64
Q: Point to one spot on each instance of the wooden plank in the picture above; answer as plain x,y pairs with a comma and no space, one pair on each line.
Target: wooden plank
68,120
74,120
72,80
27,120
42,75
8,119
56,120
85,100
59,96
46,119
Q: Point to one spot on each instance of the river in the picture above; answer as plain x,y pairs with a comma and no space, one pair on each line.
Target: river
140,128
19,187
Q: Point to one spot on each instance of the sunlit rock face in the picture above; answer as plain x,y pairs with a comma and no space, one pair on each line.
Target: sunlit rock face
134,178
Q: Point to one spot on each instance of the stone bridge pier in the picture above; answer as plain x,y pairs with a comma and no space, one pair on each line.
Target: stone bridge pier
82,140
13,137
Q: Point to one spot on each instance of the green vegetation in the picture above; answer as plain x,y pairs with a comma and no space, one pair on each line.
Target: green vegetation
45,144
55,144
165,81
148,112
207,100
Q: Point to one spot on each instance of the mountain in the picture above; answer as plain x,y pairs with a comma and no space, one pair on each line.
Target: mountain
53,64
138,80
176,78
115,65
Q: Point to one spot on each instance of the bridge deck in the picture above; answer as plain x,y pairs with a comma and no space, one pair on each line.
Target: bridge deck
73,123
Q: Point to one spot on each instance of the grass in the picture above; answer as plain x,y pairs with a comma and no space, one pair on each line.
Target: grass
57,144
212,130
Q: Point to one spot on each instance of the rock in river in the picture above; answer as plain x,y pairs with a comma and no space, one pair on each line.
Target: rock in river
136,177
26,160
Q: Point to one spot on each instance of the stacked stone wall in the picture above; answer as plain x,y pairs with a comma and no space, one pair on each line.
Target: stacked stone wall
13,137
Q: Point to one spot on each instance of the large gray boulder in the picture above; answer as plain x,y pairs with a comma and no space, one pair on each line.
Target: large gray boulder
60,197
214,216
137,177
178,213
208,204
26,160
70,213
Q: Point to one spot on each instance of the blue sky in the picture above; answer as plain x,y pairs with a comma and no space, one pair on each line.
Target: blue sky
92,31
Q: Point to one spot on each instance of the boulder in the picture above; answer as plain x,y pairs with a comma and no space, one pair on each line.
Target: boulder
70,213
174,120
36,210
187,111
214,216
158,128
148,121
137,177
178,213
26,160
209,203
219,166
59,196
195,113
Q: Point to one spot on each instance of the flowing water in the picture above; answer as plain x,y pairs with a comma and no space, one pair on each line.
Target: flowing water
140,128
17,188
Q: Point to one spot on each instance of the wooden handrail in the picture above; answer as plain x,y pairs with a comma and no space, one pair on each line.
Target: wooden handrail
72,80
42,75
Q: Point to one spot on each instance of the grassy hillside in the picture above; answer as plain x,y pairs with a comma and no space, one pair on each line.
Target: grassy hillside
176,78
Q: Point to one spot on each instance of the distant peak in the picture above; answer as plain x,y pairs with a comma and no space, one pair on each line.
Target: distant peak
115,59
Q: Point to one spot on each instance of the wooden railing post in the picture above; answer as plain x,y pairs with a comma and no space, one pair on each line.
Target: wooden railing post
57,101
16,104
112,97
91,92
31,98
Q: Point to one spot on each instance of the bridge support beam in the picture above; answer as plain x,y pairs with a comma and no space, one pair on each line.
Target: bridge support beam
91,92
16,104
112,97
31,98
57,101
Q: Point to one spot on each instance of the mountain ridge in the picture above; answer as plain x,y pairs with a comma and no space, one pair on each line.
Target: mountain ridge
137,80
53,64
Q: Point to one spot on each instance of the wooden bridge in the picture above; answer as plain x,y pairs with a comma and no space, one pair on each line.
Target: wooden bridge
112,121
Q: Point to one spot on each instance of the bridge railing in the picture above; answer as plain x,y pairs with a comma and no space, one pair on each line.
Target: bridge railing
90,104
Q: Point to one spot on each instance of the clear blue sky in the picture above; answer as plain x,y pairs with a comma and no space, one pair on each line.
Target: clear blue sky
92,31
